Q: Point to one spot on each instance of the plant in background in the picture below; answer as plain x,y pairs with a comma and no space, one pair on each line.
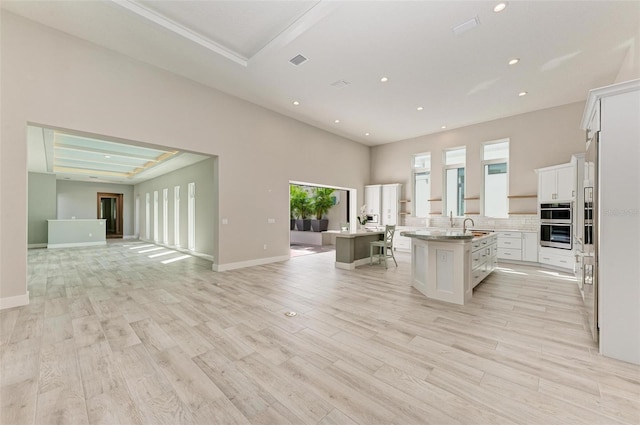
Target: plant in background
300,205
321,203
362,217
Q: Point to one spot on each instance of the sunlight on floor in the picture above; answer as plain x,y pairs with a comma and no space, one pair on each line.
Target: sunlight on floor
511,271
172,260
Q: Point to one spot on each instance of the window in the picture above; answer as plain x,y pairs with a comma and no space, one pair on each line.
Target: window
176,216
165,216
147,216
454,163
136,223
155,216
191,217
495,178
421,184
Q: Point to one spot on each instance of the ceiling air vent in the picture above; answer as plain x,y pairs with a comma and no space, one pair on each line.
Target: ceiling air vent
298,60
466,26
340,83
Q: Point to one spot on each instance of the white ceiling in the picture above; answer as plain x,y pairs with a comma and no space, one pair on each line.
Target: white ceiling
244,47
75,156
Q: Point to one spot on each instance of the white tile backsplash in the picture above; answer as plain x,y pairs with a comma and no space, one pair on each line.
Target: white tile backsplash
527,222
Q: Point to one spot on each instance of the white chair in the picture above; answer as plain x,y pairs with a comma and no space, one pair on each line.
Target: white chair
385,246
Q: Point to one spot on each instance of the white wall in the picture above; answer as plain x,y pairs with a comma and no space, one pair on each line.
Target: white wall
56,80
203,175
537,139
630,69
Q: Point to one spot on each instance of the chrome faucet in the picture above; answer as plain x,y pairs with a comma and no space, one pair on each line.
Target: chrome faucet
451,219
464,224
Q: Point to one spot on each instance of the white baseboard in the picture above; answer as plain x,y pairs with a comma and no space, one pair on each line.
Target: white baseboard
250,263
352,266
36,245
75,244
129,237
17,301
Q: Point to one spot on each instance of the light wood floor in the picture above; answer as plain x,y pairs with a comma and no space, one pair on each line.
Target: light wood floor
112,336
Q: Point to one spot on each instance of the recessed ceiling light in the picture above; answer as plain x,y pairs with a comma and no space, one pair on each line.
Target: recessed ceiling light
337,121
295,102
444,126
522,93
367,134
500,7
514,61
107,156
384,79
419,108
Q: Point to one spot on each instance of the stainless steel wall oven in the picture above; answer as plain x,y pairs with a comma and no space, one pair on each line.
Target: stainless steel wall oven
556,228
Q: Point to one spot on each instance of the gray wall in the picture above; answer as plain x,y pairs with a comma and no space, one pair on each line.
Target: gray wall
42,206
79,200
338,213
203,174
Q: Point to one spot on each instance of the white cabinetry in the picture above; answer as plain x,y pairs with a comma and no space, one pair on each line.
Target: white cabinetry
557,183
372,199
483,258
617,227
530,246
402,243
383,201
510,246
562,258
518,246
390,204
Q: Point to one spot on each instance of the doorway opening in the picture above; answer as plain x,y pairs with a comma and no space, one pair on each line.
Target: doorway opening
307,234
110,209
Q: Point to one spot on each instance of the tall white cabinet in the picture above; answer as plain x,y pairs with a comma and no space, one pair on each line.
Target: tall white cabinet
384,201
372,199
615,112
391,204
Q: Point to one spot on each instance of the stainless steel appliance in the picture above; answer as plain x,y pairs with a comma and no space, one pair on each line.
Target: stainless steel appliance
591,226
556,212
373,219
556,228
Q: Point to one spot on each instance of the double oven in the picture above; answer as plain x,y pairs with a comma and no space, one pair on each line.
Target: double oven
556,225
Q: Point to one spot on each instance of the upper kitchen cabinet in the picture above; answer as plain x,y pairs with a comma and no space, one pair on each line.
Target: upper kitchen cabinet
557,183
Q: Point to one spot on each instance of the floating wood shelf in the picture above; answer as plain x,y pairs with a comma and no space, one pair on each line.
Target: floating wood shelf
435,213
472,212
521,196
405,213
472,199
435,200
404,201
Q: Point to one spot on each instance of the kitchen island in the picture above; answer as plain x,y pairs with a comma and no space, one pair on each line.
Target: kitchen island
352,249
446,264
76,232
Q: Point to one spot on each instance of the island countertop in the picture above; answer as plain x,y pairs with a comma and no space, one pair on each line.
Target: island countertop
439,235
359,233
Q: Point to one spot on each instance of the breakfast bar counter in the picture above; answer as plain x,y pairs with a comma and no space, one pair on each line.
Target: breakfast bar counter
352,249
